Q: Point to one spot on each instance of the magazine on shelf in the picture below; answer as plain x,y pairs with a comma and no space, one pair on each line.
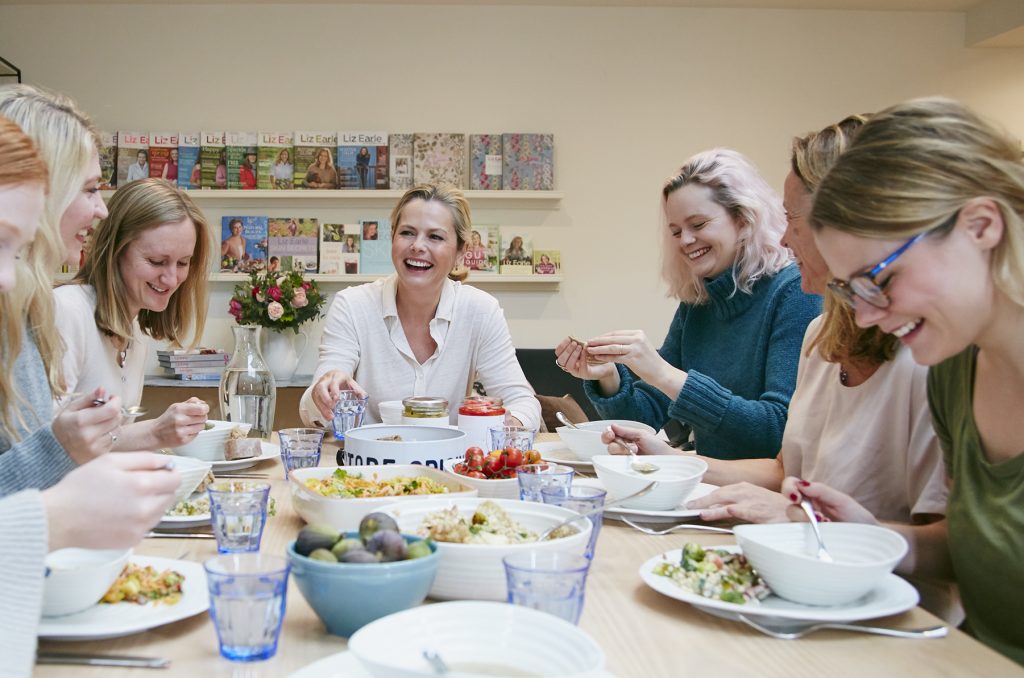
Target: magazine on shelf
191,376
190,173
482,249
375,246
276,169
362,161
516,257
132,156
484,162
108,160
243,244
240,149
211,360
314,160
339,248
163,156
527,162
180,352
439,158
293,244
547,262
213,161
400,164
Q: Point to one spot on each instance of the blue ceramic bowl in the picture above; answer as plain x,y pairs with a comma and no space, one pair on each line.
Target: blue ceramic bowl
347,596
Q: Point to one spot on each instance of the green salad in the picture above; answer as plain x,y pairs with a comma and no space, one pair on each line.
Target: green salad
716,574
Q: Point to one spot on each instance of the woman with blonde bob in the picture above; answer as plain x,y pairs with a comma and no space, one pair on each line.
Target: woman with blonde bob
419,331
921,223
145,276
35,452
728,365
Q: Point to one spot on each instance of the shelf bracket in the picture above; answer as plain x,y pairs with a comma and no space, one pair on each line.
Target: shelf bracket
7,69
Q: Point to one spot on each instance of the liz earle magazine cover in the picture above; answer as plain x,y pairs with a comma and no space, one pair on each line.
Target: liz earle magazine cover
401,162
190,172
241,160
363,161
132,156
163,156
516,255
482,249
108,160
547,262
213,159
528,162
275,169
439,158
294,243
243,244
484,162
314,160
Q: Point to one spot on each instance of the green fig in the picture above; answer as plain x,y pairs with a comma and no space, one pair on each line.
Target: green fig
418,549
373,523
324,555
313,537
344,545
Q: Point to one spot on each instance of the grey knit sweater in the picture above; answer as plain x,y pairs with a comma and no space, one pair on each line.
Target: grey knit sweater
23,540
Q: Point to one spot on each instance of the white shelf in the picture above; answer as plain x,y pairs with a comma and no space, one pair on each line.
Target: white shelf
484,280
508,198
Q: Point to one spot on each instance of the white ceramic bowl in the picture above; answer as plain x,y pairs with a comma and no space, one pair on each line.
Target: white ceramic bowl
475,571
677,476
427,445
785,555
77,578
519,641
192,472
345,513
585,439
209,444
391,412
498,488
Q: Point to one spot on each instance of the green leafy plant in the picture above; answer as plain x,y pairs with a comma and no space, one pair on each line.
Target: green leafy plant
278,300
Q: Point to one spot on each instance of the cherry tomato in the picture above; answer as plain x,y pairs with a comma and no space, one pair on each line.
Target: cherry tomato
460,468
493,466
476,474
507,473
531,457
514,457
475,459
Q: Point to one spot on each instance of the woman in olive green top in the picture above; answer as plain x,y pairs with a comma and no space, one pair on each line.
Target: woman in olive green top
921,222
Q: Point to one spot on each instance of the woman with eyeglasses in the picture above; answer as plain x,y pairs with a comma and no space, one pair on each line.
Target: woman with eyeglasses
921,223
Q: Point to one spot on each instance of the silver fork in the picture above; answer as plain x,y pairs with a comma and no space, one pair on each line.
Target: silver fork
791,630
676,528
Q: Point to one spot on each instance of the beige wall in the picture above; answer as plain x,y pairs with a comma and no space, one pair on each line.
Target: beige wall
628,93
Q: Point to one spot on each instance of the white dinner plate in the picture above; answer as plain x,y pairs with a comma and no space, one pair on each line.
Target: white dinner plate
346,665
122,619
892,596
270,451
675,515
181,522
558,452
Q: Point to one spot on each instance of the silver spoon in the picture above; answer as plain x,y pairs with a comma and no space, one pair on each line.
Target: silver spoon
791,630
823,554
130,413
608,504
635,463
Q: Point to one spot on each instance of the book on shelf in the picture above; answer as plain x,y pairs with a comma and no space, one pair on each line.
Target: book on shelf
243,244
190,172
132,156
439,158
527,162
275,169
484,162
363,160
213,161
482,249
108,160
547,262
192,376
314,160
199,350
293,244
516,256
212,360
400,165
375,247
240,148
339,248
163,156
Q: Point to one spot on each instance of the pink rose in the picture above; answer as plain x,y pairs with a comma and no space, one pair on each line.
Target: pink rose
306,285
275,310
235,309
274,293
299,299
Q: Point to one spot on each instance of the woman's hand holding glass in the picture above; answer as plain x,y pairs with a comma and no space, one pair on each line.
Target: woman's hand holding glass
325,391
87,430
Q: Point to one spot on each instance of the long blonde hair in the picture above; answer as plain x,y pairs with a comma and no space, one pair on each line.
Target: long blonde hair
20,163
839,338
67,141
756,209
136,208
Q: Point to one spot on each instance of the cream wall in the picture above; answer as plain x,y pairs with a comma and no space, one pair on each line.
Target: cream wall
629,93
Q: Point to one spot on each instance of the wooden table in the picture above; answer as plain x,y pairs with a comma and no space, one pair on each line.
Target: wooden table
643,633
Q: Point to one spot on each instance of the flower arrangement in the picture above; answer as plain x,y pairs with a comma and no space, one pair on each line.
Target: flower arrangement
278,300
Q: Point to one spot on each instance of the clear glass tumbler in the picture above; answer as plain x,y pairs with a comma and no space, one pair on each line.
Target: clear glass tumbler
247,603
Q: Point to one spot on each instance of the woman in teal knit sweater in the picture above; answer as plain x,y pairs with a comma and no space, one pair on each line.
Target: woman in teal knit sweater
728,366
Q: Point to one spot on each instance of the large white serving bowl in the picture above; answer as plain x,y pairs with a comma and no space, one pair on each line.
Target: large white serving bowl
192,472
209,444
345,513
785,555
476,639
677,476
585,439
475,571
492,488
426,445
77,578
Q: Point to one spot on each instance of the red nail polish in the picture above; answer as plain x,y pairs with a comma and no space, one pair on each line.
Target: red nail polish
803,483
794,497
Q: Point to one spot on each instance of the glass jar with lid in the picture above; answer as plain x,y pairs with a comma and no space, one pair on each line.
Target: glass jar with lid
425,411
477,415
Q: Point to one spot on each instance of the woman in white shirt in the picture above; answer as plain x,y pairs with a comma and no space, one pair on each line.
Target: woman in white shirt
145,276
418,332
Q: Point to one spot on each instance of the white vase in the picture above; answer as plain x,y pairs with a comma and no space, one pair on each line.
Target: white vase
281,354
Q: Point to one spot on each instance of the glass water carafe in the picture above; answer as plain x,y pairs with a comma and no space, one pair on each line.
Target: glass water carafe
248,393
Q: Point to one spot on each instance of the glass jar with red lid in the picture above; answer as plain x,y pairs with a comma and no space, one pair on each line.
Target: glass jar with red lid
477,415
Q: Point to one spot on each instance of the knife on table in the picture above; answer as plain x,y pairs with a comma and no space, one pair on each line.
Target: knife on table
102,660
